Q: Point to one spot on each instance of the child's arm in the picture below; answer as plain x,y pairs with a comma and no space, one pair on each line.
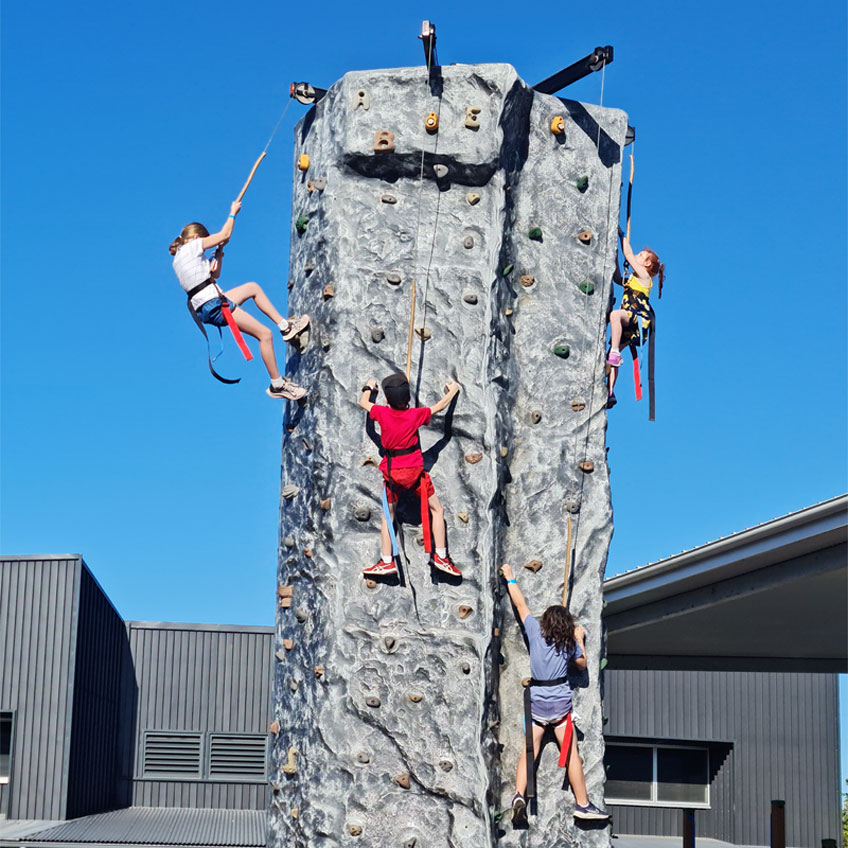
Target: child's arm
444,403
226,231
580,639
629,255
515,593
365,398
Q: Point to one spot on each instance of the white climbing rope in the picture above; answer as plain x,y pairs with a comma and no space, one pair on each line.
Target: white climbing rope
279,121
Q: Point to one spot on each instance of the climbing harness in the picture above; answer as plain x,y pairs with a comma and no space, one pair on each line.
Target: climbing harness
423,482
528,733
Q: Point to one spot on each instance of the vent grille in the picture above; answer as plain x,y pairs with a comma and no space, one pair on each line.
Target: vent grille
172,753
237,755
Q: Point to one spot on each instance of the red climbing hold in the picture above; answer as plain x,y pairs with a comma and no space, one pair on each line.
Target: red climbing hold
231,323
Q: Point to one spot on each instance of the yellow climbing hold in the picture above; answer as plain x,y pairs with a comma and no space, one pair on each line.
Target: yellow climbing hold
303,162
558,125
431,122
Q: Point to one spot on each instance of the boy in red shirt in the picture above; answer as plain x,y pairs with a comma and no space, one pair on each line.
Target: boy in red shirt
403,467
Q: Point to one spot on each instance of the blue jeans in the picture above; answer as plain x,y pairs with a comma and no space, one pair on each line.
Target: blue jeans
210,312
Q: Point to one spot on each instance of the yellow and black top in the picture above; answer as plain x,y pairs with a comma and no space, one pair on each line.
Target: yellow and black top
636,301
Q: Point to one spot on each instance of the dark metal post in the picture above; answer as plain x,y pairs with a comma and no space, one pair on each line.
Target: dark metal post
778,824
828,843
688,829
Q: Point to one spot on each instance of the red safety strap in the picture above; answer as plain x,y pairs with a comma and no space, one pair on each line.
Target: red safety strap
231,323
637,380
566,742
423,483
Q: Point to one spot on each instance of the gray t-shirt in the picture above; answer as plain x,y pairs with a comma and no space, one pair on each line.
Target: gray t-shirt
547,663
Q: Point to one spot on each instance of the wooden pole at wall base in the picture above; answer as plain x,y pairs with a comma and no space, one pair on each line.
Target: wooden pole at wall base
778,824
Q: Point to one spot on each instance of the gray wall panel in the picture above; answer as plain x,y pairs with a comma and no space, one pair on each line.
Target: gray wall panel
774,721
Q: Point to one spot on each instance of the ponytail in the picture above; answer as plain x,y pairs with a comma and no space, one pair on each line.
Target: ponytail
656,269
661,277
192,229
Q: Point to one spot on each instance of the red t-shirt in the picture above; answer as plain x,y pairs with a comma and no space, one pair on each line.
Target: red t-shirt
398,430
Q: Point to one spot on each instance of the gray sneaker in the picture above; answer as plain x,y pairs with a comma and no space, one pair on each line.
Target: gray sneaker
297,324
590,811
288,391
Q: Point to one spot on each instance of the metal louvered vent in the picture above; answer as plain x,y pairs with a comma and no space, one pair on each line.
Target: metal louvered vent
167,753
240,756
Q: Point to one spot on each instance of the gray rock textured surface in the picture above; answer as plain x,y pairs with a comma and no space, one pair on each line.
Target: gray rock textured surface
410,733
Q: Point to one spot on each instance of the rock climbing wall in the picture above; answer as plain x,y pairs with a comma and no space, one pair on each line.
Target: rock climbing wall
398,702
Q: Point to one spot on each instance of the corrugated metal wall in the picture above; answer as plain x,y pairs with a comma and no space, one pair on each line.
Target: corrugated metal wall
774,721
102,647
191,678
38,605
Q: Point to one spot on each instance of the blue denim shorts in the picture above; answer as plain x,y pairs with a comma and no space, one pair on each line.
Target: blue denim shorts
210,312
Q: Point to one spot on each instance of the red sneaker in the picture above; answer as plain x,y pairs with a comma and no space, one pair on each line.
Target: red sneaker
380,567
445,564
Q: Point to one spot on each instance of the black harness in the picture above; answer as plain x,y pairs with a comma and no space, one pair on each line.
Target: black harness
196,318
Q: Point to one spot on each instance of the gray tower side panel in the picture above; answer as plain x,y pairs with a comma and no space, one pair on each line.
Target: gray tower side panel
393,641
37,639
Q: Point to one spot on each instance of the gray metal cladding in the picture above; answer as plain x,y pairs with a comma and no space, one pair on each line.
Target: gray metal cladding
38,619
203,678
783,728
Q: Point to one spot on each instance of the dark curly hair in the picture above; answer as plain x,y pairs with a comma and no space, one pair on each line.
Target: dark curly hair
557,626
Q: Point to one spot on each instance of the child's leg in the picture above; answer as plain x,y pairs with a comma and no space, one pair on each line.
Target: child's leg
613,376
253,290
619,319
575,768
250,325
521,770
385,538
437,513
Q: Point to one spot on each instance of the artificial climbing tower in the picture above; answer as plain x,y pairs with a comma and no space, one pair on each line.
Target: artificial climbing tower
398,704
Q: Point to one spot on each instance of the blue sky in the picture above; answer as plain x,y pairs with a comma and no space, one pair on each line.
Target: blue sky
122,123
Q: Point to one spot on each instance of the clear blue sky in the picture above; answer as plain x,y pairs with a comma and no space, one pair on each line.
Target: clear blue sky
121,123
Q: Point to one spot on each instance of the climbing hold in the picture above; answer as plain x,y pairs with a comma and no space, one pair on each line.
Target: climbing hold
507,270
463,517
310,186
280,655
423,333
371,584
465,611
508,311
285,603
302,162
362,513
274,727
582,184
300,223
329,291
603,664
319,671
468,242
587,466
534,565
362,100
558,125
363,757
535,233
578,405
326,343
307,552
535,416
290,491
572,507
445,765
525,681
587,286
288,644
472,121
527,280
369,460
402,780
504,451
326,504
389,642
290,767
473,458
293,684
466,668
419,540
389,198
289,541
562,351
301,614
473,198
384,141
414,697
309,267
377,334
431,122
584,236
373,701
393,277
470,297
354,830
320,183
410,843
295,812
441,171
307,445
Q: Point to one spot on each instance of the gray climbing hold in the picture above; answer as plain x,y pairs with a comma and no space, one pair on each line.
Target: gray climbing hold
472,120
393,277
473,198
377,334
293,684
280,655
389,198
535,416
289,541
320,183
326,344
363,757
362,100
470,297
572,507
362,513
423,333
390,642
290,491
301,614
466,668
445,765
307,445
410,843
468,242
373,701
441,171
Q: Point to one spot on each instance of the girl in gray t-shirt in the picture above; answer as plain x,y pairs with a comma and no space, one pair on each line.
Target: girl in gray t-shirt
555,642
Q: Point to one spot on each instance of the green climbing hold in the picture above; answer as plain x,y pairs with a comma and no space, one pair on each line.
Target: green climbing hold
535,233
587,286
301,222
507,270
603,663
562,351
582,184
